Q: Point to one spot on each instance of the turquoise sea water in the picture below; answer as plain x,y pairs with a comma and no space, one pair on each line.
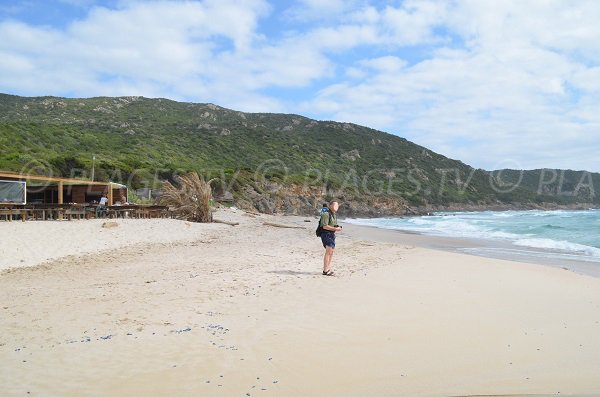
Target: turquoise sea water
573,235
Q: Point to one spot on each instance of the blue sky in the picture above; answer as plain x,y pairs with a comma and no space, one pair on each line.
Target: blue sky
492,83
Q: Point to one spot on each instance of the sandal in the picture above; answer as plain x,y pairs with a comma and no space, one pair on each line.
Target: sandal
328,273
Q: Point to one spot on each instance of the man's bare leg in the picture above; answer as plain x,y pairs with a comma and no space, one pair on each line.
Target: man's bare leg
327,259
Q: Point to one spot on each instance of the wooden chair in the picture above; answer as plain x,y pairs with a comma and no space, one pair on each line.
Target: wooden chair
10,211
7,213
74,210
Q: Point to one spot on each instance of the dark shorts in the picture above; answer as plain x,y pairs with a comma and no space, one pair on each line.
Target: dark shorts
328,239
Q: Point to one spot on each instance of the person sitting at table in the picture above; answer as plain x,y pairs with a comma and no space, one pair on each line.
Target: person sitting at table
123,213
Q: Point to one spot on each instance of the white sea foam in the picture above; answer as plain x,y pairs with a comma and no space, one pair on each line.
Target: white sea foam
545,243
439,226
506,214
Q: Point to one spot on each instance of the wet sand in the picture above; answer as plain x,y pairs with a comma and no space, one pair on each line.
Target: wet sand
243,310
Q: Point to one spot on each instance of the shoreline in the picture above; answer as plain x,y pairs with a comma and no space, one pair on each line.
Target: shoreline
457,207
498,248
508,207
239,310
483,248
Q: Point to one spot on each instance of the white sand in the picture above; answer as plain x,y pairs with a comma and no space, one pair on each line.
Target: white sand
32,243
225,311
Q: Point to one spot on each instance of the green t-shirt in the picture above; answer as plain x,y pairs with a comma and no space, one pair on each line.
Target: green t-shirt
328,218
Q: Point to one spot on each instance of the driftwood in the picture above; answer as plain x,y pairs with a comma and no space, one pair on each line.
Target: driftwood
225,222
282,225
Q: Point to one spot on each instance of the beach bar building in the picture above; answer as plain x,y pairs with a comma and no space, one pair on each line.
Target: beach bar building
37,189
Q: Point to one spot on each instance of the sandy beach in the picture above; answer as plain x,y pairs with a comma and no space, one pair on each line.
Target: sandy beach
167,307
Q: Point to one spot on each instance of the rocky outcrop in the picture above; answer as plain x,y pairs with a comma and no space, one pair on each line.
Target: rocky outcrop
296,200
352,155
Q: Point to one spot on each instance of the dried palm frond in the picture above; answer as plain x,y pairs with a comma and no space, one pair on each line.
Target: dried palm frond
191,200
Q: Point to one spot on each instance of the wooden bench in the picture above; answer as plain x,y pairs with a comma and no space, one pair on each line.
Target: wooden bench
74,210
10,211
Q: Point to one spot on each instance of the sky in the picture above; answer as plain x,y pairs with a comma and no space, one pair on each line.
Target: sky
494,83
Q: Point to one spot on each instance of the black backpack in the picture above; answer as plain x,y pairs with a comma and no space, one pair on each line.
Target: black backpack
319,230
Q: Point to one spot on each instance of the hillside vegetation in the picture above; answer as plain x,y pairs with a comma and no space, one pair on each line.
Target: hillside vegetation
271,162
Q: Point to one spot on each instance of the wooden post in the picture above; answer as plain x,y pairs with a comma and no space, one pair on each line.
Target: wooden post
60,199
110,194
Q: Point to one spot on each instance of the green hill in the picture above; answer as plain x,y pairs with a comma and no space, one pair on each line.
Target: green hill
554,185
272,162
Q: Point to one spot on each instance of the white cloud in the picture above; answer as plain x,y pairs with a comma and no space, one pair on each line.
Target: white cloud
508,93
389,64
318,10
341,38
587,79
476,80
203,50
412,23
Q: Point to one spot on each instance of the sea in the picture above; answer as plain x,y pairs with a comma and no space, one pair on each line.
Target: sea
553,237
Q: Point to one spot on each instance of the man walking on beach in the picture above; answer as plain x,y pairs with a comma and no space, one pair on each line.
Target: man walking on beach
329,227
